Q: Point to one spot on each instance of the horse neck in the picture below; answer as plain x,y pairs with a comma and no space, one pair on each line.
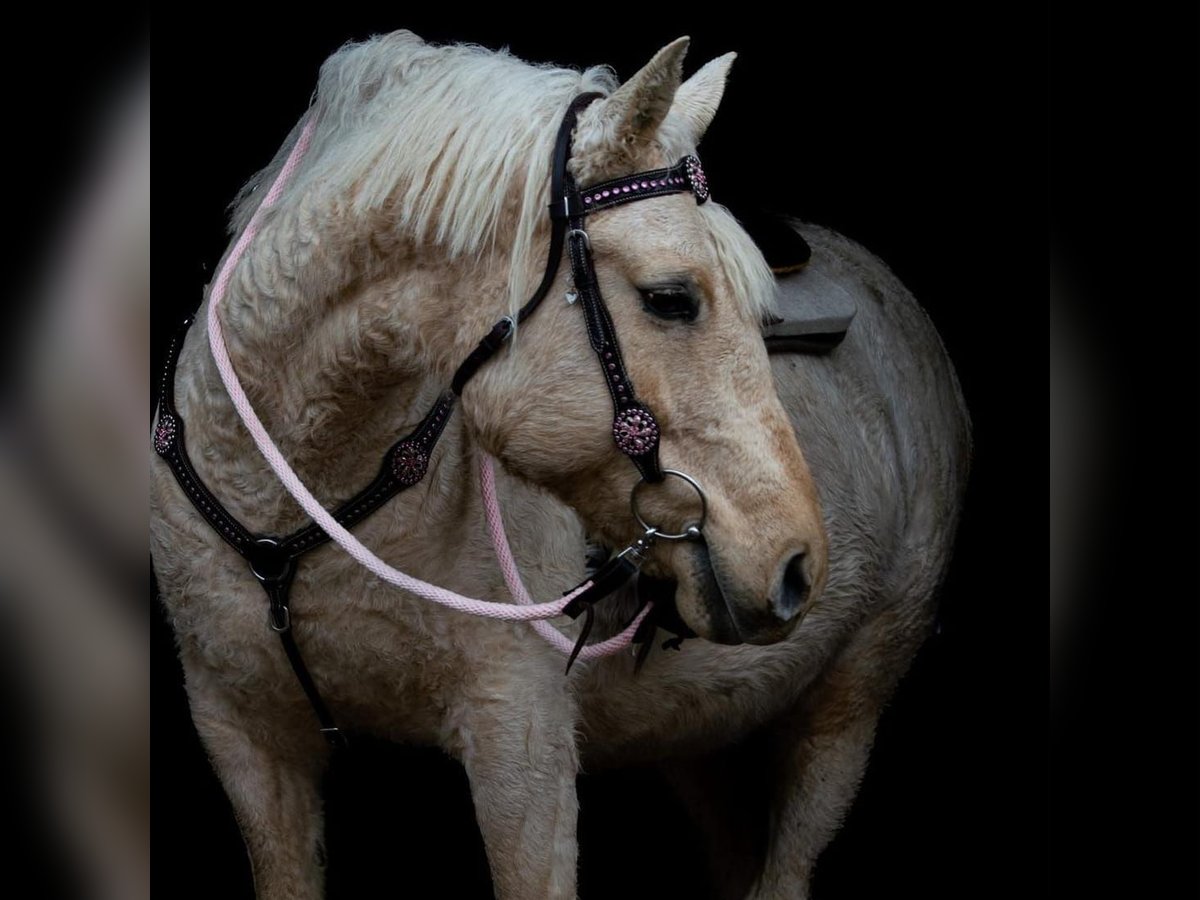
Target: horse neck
343,337
435,530
337,382
342,352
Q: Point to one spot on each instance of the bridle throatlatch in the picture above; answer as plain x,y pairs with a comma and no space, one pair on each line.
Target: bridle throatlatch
635,431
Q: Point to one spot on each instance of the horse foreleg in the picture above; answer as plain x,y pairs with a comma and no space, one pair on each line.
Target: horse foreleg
274,787
821,747
521,761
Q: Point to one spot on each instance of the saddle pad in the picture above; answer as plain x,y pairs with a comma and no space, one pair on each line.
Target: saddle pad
814,313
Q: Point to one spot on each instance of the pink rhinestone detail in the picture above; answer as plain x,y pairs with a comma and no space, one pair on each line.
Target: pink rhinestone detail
164,433
635,431
696,178
409,463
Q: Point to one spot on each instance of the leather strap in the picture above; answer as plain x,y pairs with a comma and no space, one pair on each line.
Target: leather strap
280,619
685,175
273,560
610,576
168,441
486,349
405,463
635,430
664,614
502,330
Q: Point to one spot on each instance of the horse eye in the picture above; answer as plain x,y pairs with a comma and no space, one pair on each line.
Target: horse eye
670,303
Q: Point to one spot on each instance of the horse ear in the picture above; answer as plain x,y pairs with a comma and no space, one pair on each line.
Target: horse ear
632,114
697,99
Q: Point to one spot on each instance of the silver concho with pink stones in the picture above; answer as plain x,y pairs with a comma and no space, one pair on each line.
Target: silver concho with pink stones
409,463
696,178
635,431
164,433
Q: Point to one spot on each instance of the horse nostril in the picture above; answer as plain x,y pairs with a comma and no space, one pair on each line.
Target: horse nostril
793,591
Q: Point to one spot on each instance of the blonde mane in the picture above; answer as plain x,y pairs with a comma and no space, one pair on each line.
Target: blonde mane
446,139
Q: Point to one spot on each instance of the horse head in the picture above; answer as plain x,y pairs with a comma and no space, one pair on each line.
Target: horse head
686,289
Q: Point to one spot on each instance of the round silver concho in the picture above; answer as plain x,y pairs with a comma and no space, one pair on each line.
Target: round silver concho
409,463
635,431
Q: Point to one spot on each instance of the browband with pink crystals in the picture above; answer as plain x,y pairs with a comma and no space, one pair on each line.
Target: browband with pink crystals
685,175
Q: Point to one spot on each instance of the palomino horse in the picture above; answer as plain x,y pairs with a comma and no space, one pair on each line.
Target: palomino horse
415,220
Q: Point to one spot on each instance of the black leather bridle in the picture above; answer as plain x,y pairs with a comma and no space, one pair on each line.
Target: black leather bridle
635,429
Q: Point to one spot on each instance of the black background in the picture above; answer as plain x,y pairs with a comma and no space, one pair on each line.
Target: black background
924,136
927,151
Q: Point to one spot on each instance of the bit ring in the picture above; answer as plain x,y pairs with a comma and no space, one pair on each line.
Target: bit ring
692,532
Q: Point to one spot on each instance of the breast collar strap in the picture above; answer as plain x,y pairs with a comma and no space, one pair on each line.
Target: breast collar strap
273,560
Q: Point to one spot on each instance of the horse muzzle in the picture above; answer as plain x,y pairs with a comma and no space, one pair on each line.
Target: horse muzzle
721,609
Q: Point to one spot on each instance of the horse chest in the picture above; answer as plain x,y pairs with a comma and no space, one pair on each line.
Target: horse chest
695,700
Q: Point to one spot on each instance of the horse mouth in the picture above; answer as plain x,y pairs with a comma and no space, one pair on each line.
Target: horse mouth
708,614
661,592
710,603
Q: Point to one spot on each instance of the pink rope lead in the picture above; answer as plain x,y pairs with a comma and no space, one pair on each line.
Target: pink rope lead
512,577
292,482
